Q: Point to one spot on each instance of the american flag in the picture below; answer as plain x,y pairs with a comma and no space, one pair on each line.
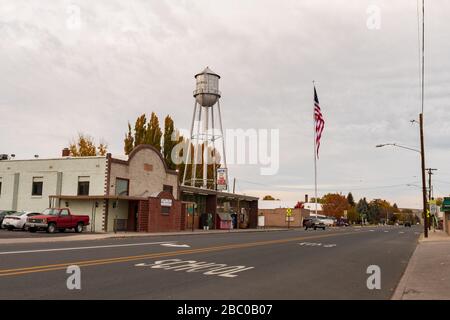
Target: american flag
319,122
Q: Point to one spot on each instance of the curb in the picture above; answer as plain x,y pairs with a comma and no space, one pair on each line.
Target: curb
125,235
402,284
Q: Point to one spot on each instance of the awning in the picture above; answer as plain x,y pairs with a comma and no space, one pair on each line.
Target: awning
446,205
224,216
99,197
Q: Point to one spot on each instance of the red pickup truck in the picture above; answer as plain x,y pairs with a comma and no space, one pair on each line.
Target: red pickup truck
53,219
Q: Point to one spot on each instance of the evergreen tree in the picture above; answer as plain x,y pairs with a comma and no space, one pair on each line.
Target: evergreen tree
350,200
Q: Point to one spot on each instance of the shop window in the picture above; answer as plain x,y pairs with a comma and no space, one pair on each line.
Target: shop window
122,187
165,210
83,186
36,189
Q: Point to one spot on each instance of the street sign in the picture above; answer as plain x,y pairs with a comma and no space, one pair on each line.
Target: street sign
289,212
433,207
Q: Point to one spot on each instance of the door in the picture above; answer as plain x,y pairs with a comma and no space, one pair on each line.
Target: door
65,219
132,216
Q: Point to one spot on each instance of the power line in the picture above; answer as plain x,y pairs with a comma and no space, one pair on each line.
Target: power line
346,188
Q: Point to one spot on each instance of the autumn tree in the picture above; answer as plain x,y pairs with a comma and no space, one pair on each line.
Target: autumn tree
299,205
144,133
268,197
170,140
153,133
84,146
352,215
334,204
379,210
395,208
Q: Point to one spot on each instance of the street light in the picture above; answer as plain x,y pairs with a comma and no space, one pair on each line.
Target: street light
396,145
422,156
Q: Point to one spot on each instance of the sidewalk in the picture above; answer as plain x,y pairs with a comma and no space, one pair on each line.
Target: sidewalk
102,236
427,276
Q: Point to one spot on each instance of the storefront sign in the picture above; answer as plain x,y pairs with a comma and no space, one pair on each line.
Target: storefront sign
222,179
166,202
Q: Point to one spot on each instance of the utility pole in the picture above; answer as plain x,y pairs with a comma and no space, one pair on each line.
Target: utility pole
430,173
234,184
422,144
424,184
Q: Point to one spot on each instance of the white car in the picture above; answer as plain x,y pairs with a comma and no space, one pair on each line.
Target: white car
17,220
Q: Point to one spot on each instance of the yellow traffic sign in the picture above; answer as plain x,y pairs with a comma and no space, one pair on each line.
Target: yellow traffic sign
288,212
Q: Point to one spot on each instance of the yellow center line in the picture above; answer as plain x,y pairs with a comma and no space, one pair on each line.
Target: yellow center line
86,263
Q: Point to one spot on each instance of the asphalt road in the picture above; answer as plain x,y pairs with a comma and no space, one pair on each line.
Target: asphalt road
294,264
6,234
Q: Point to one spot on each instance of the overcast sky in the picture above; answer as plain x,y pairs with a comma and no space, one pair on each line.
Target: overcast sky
91,66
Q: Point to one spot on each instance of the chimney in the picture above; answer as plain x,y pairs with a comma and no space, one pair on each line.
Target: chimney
306,198
65,152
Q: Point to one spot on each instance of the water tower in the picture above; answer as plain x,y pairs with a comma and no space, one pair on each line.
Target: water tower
204,132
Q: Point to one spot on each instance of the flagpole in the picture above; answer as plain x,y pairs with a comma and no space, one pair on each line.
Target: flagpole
315,157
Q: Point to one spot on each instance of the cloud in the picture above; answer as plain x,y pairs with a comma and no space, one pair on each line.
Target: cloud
131,57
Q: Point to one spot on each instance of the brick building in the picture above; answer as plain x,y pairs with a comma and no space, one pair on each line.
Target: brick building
137,194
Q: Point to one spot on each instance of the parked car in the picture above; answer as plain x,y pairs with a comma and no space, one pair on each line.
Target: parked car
314,223
342,223
408,224
60,219
4,213
17,220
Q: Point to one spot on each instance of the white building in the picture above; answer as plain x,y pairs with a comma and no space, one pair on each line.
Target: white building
105,188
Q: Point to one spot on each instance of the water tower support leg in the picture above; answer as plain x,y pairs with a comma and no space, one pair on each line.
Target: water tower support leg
188,155
223,140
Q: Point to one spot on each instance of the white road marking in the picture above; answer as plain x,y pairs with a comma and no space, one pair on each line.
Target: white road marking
313,244
174,245
207,268
371,230
386,231
401,232
84,248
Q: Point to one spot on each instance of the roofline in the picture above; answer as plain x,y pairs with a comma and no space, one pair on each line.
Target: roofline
47,159
139,148
196,190
96,197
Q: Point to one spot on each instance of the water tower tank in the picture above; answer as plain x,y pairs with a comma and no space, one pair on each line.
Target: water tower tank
207,88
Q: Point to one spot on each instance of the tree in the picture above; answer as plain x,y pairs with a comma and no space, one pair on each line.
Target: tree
362,209
379,210
352,215
395,208
129,141
153,132
144,133
169,143
334,204
313,200
268,197
299,205
84,146
350,200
